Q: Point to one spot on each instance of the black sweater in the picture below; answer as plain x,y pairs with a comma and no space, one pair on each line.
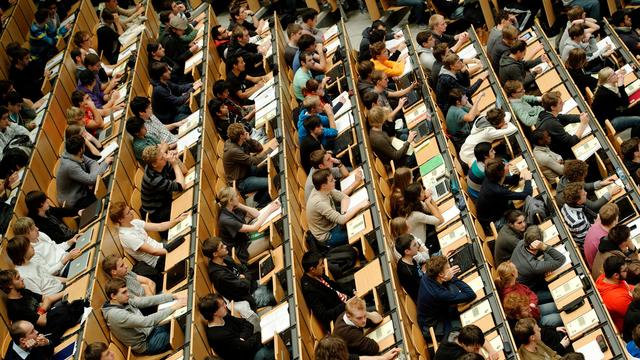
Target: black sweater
234,340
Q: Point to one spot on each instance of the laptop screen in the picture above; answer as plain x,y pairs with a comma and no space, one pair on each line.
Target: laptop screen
177,273
626,209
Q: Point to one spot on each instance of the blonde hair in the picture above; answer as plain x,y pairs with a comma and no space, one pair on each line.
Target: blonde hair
434,20
398,226
354,304
72,114
506,273
311,102
377,116
150,154
225,195
604,75
23,225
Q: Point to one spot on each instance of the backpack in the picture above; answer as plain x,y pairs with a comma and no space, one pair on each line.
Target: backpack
19,143
340,259
534,210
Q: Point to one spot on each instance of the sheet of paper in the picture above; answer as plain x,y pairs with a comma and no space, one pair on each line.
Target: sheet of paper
393,43
191,122
332,45
450,214
266,97
453,236
266,114
543,66
568,106
398,144
549,233
69,20
193,61
587,149
127,52
408,67
573,127
344,123
476,284
54,60
267,85
591,351
356,225
632,88
469,52
604,42
382,331
108,150
475,313
188,140
350,179
275,321
331,32
180,227
358,198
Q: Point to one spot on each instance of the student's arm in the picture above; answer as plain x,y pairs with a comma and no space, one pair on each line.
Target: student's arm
403,92
248,92
473,112
260,220
177,168
321,65
98,121
146,248
252,212
148,285
434,210
165,225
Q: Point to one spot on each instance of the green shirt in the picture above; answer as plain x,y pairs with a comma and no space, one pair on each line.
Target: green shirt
300,82
455,121
140,144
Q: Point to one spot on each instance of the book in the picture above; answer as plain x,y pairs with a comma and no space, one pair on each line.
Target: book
585,149
350,179
469,52
191,122
381,331
108,150
275,321
357,198
180,228
188,140
453,236
356,225
398,144
604,42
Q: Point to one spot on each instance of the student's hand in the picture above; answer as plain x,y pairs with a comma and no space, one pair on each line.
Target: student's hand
428,195
584,119
171,157
365,205
71,255
453,271
109,160
412,136
561,329
413,85
398,35
359,175
391,354
182,217
565,342
197,85
525,174
462,37
181,301
615,189
12,179
275,205
403,100
194,48
74,239
374,316
608,181
41,341
538,245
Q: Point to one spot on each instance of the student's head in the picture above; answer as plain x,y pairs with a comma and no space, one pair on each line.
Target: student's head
159,71
74,145
378,25
437,24
76,55
621,18
552,101
212,305
630,148
356,311
82,39
516,306
218,32
541,137
41,16
425,39
440,50
19,249
526,331
365,68
377,116
306,59
236,63
376,35
35,201
457,97
155,50
92,62
221,89
636,333
402,178
72,130
25,226
452,62
118,211
237,13
516,220
23,333
509,34
495,117
577,59
10,280
4,117
19,55
214,248
620,235
141,107
153,156
309,17
115,266
505,18
576,32
574,194
75,116
494,170
483,151
236,133
575,170
379,51
576,13
294,31
514,89
331,347
313,125
79,98
532,234
227,196
313,263
471,338
107,17
323,180
178,25
14,101
218,108
320,159
135,127
406,244
398,226
312,86
518,49
615,268
608,214
165,17
87,78
438,267
379,78
507,274
98,351
116,290
307,43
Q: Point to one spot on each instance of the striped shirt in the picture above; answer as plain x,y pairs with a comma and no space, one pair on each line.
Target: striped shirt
158,187
475,177
576,221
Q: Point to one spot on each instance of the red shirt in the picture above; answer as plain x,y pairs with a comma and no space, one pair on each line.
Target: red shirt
523,290
616,298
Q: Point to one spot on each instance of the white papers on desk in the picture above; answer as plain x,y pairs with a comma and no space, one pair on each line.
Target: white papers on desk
344,123
475,313
108,150
453,236
476,284
469,52
604,42
357,198
394,43
381,332
38,119
120,68
54,61
567,260
633,87
114,116
122,92
600,192
543,66
188,140
193,61
127,52
346,104
567,288
33,134
496,343
44,103
332,45
350,179
587,149
582,323
573,127
398,144
131,33
71,18
450,214
627,69
180,227
191,122
331,32
273,153
265,97
408,66
356,225
265,114
568,106
264,87
275,321
549,233
591,351
634,226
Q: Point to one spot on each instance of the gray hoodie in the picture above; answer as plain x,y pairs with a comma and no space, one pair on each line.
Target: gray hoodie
483,131
129,325
426,57
75,178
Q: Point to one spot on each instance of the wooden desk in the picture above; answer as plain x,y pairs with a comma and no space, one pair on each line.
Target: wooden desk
182,203
178,254
567,264
586,148
453,237
566,289
530,53
586,343
480,315
383,334
548,81
368,277
549,233
590,320
496,341
426,150
78,289
488,100
450,212
278,264
359,226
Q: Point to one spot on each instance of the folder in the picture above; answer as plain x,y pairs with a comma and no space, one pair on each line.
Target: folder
431,164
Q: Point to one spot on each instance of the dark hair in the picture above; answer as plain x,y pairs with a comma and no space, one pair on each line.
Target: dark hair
369,98
233,60
34,201
41,15
412,199
113,285
573,192
3,110
316,158
331,347
619,234
423,36
152,47
110,263
618,17
311,123
6,279
309,14
403,243
234,12
91,59
17,331
107,15
518,45
164,16
512,215
16,53
305,55
495,117
210,246
74,144
13,98
94,351
435,266
455,95
575,170
17,248
157,69
311,259
471,356
481,151
538,136
439,50
629,147
75,53
376,35
215,31
494,170
214,106
139,104
86,77
573,356
377,23
77,97
613,265
134,125
306,41
320,177
471,335
503,15
219,87
523,330
365,68
209,304
576,30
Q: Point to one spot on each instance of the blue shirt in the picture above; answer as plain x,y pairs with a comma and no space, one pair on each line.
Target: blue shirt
328,133
437,303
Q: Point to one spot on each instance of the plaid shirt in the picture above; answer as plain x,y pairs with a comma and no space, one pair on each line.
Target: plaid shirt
157,130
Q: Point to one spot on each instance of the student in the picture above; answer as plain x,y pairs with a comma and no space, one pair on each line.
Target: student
320,159
460,116
37,278
141,139
43,37
177,48
469,340
141,107
618,243
27,343
92,118
402,178
494,197
108,33
27,76
426,42
630,150
475,177
252,54
380,82
527,333
380,59
501,48
611,101
241,84
238,16
222,92
350,325
8,129
303,74
422,214
143,334
576,171
577,15
76,126
332,347
438,27
157,54
625,29
309,22
552,121
399,226
319,64
632,317
115,267
294,32
579,38
163,175
77,175
614,290
576,215
453,75
326,224
550,163
325,297
315,140
509,236
381,143
513,66
364,85
408,270
14,104
48,218
169,99
495,34
221,40
312,106
98,351
576,63
607,219
128,16
222,117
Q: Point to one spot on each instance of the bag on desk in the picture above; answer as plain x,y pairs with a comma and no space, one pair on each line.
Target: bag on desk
340,259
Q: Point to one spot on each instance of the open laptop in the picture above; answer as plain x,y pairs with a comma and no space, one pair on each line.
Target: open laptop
85,239
79,264
177,273
342,142
464,258
626,209
90,213
441,188
266,266
422,131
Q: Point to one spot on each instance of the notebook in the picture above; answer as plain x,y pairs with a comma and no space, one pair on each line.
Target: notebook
433,164
358,198
79,264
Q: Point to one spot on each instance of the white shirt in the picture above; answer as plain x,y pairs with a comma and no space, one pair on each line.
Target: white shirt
132,238
37,279
49,254
20,351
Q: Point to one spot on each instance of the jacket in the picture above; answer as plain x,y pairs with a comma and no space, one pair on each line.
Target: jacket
75,178
527,109
616,298
167,98
437,303
237,159
354,337
607,249
43,37
500,49
426,58
323,302
52,224
448,81
493,200
607,105
631,320
630,38
525,291
382,148
483,131
531,271
561,140
235,340
512,69
364,53
128,324
506,243
549,163
583,80
227,281
250,54
590,48
177,49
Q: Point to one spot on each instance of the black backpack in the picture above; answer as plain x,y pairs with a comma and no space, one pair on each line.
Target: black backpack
340,259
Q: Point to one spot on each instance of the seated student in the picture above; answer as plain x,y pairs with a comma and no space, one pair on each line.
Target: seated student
531,270
495,125
527,333
455,74
76,126
577,15
408,270
399,226
509,236
8,129
314,87
143,334
315,140
402,178
241,84
576,214
43,36
469,340
422,214
229,336
221,91
141,139
630,150
312,106
27,343
440,291
98,351
526,107
126,16
88,84
157,54
92,118
513,65
426,43
318,62
294,32
115,267
380,82
141,107
163,175
252,54
475,177
303,74
607,219
579,38
325,297
633,346
350,325
618,243
27,76
614,290
77,175
37,278
163,30
332,347
364,84
178,48
14,104
495,197
48,218
222,117
238,16
380,59
134,237
460,115
108,33
234,224
575,64
241,158
320,159
501,48
309,22
625,29
576,171
46,312
54,257
611,102
83,40
438,26
373,35
551,164
632,318
552,121
495,34
326,224
381,142
103,82
169,100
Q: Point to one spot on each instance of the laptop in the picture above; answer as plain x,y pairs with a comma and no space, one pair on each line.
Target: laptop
177,273
65,353
441,188
342,142
79,264
464,258
266,266
422,131
90,213
85,239
626,209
